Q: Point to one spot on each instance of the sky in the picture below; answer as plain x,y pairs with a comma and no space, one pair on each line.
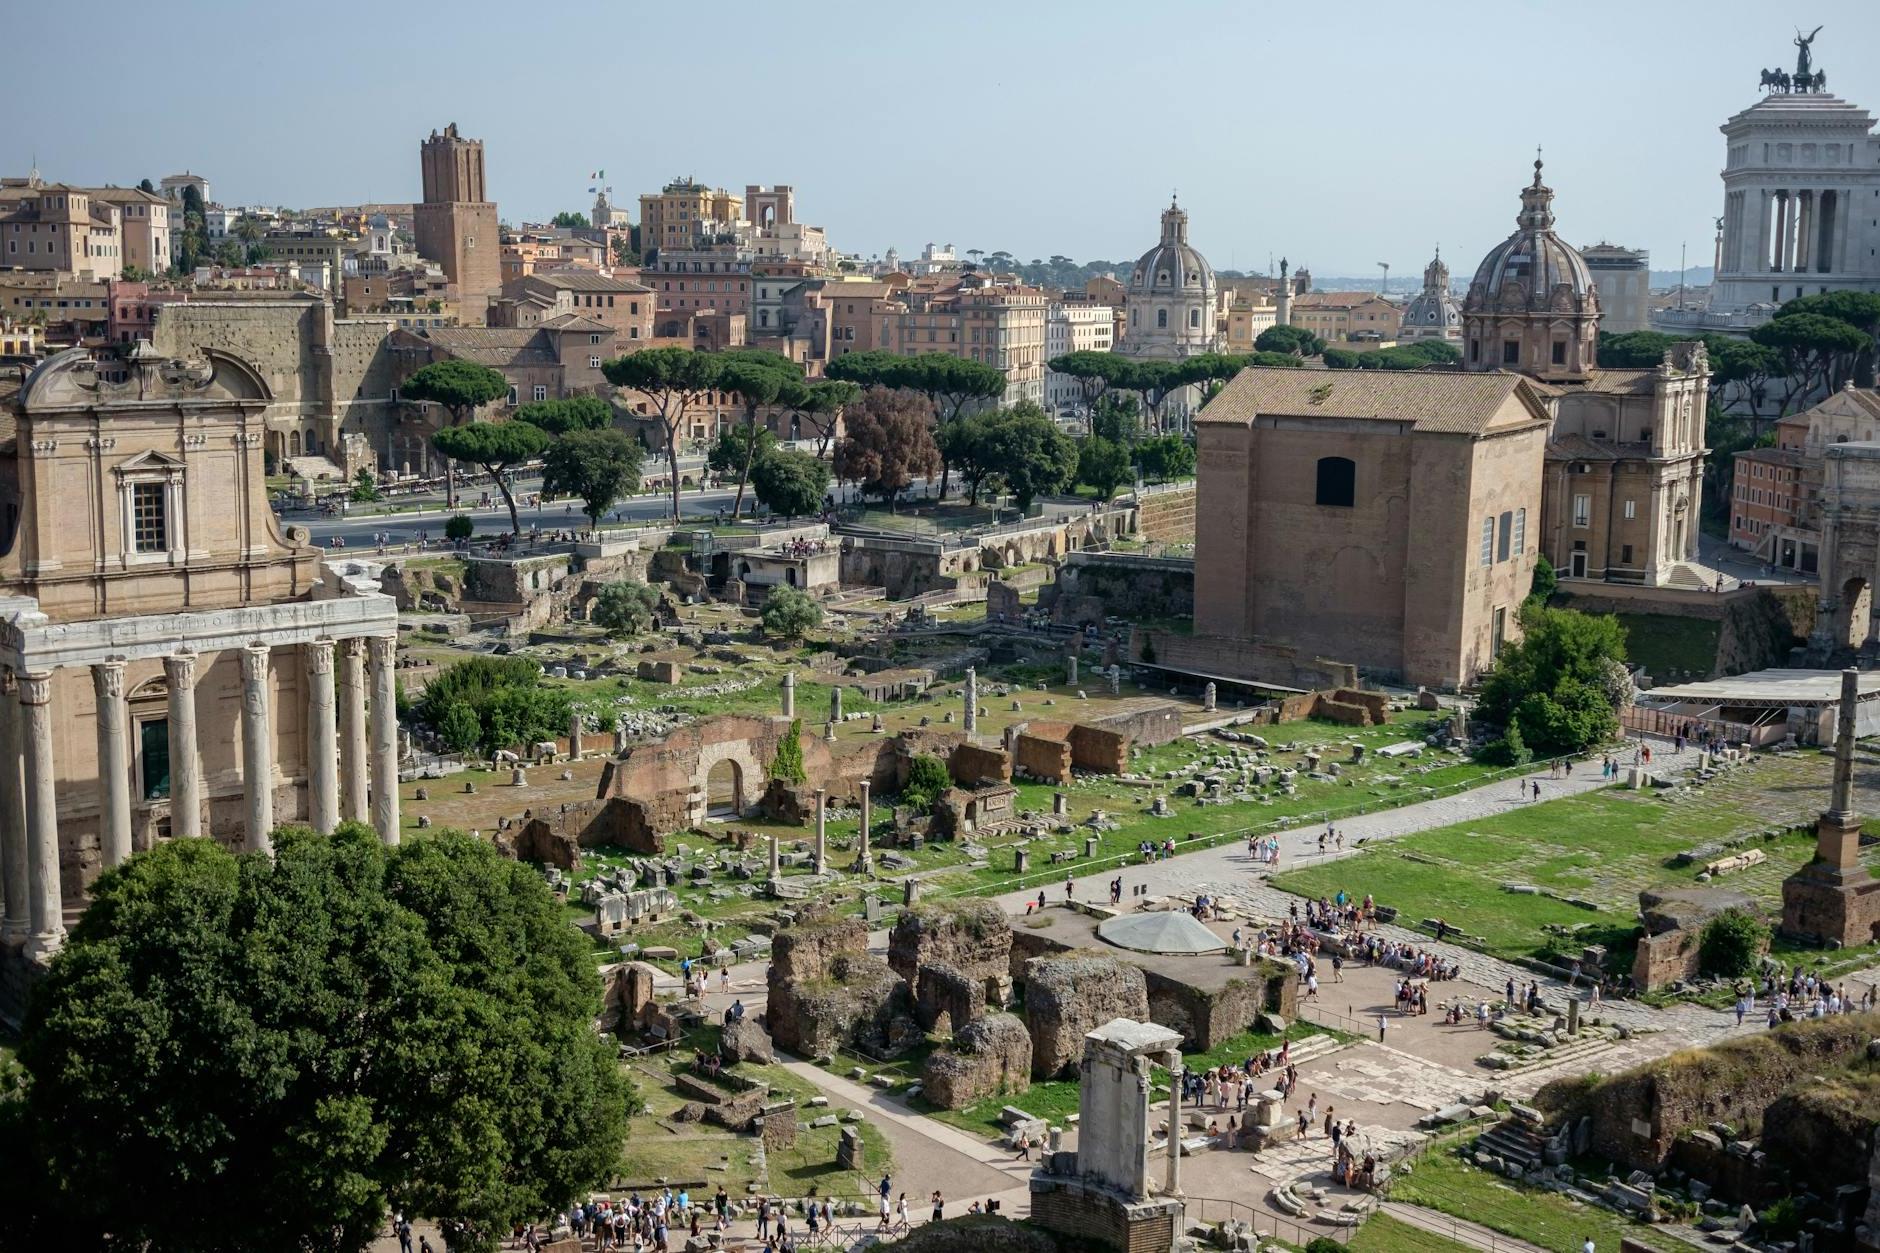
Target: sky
1338,135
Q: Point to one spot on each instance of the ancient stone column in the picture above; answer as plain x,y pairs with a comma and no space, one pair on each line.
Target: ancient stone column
13,859
257,749
185,765
1207,697
1174,1187
835,704
383,650
574,736
789,694
1070,666
114,764
863,855
45,907
972,700
822,829
775,864
352,730
322,738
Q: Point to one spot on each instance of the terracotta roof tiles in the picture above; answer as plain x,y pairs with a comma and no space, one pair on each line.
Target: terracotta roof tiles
1444,402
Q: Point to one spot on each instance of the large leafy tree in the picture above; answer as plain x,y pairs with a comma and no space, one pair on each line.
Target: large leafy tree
1860,310
1103,464
1556,683
461,388
1294,341
1030,453
966,446
496,446
570,219
757,379
573,413
789,482
1166,457
888,443
1095,372
950,384
672,380
819,405
598,466
790,614
246,1053
1814,350
625,607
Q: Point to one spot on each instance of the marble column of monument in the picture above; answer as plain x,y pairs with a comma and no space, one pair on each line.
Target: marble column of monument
862,858
1833,899
114,763
822,829
1174,1062
971,719
775,862
789,694
257,749
46,906
383,650
179,671
352,730
17,923
322,738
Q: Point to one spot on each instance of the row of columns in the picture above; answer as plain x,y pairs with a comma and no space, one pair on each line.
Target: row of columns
337,780
1791,238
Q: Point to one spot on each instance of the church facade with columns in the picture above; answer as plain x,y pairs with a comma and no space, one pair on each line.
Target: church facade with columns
172,663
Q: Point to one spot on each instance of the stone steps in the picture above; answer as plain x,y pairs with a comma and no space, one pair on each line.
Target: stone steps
1513,1141
1560,1055
1314,1047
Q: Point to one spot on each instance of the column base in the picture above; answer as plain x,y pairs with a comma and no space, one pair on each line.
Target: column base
42,945
14,934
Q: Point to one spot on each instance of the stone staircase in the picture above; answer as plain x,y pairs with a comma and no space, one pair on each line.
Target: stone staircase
1570,1051
1520,1140
1685,576
1313,1047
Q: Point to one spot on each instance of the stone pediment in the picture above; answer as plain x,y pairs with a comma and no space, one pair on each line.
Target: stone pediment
76,379
148,461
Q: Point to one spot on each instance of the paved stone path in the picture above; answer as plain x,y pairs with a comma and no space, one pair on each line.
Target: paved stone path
1227,870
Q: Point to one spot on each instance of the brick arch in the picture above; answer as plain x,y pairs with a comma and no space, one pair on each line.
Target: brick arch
740,753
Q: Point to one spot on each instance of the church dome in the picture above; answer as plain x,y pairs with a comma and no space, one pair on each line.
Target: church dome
1172,265
1533,270
1433,312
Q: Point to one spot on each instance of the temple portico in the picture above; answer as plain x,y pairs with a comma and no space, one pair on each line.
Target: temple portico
158,688
173,661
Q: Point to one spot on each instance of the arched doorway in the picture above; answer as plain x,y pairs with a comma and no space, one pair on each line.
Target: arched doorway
293,443
1856,612
724,790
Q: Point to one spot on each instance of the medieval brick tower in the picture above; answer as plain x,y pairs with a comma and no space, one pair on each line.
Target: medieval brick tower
456,223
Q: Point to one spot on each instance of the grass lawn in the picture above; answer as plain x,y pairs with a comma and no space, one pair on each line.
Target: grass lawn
1600,848
1441,1180
1661,642
1383,1234
658,1148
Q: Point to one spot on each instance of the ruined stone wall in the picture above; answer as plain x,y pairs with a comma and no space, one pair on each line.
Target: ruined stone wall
973,935
905,570
1207,1017
1066,998
1147,727
970,764
1127,585
514,582
1042,758
1168,515
1665,958
809,950
1637,1117
990,1056
1240,659
1104,752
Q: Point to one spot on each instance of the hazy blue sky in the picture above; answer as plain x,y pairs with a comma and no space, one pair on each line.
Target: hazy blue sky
1338,134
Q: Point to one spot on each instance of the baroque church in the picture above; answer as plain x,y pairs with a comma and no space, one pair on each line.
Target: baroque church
1171,307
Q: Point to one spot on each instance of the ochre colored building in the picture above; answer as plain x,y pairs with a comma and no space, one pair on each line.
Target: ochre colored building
171,662
1385,520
